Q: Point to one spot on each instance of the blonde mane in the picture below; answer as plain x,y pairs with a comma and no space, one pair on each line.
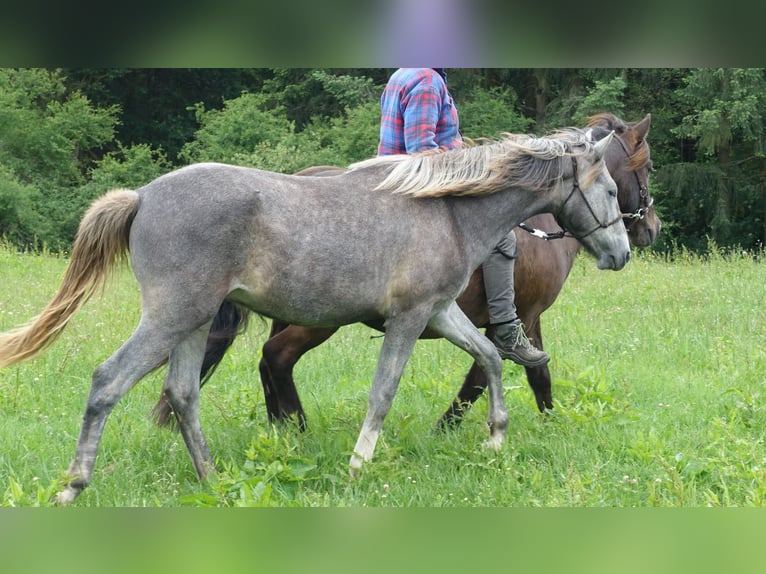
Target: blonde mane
483,167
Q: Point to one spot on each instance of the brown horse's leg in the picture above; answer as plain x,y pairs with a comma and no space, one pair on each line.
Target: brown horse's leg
473,386
285,346
539,378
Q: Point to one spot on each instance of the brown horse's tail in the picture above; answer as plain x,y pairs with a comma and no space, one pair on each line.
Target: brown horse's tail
230,321
101,242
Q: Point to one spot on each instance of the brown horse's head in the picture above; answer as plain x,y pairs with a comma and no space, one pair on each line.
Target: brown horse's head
629,162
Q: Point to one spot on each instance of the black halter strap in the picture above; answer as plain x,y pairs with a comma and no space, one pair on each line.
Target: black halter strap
628,218
645,201
564,232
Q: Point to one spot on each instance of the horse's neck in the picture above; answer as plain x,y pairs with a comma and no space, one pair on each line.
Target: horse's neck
487,219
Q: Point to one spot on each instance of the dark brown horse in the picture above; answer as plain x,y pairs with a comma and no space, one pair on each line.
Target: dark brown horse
541,269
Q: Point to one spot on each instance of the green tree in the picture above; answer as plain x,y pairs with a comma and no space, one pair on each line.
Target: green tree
157,104
243,123
46,135
488,113
726,122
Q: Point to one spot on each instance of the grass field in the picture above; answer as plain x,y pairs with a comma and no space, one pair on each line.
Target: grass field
658,381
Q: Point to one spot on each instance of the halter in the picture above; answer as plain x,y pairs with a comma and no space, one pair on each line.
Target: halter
564,232
628,218
643,193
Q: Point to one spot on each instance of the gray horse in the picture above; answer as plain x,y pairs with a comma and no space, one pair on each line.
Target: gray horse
393,239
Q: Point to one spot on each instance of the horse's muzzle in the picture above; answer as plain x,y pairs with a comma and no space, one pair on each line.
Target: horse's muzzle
614,261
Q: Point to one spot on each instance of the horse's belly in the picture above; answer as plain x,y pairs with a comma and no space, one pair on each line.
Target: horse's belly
309,310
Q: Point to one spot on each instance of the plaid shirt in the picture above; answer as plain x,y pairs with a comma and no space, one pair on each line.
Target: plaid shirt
417,113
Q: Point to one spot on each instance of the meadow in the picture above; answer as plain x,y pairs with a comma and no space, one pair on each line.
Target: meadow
658,374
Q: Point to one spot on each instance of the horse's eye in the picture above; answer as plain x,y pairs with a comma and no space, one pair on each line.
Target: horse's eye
613,191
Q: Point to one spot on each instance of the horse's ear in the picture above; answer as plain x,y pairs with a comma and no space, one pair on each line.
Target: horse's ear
642,127
600,146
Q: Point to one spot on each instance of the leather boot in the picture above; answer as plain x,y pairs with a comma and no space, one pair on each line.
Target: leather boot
512,343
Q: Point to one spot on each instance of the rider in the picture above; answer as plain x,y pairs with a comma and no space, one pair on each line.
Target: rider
418,115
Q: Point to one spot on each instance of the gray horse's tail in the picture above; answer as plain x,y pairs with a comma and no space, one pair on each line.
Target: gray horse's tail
101,243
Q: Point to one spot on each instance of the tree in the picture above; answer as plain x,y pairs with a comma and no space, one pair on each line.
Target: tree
46,134
727,123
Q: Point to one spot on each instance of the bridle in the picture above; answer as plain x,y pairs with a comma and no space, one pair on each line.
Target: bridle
645,201
564,232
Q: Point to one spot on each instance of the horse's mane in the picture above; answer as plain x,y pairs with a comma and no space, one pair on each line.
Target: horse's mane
484,166
609,122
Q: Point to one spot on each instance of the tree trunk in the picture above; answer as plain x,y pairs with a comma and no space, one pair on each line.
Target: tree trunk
542,93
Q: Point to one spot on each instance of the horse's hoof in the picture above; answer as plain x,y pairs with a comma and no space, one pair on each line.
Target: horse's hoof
355,466
65,497
494,442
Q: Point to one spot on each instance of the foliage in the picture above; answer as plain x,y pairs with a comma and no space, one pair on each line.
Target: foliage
46,130
246,132
68,135
734,113
46,133
488,113
239,127
19,220
603,96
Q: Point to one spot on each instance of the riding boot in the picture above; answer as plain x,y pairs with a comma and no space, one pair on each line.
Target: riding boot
512,343
509,337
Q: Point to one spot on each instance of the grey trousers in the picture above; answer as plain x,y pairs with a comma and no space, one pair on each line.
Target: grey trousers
498,280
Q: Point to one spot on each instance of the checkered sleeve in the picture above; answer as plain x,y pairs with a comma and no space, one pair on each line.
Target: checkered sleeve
421,115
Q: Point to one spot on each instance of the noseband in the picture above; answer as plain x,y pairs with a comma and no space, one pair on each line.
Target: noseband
645,200
576,188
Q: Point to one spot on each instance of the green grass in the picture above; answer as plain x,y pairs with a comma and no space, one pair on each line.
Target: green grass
658,380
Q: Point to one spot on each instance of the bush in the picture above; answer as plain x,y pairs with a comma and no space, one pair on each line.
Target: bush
489,113
242,125
20,222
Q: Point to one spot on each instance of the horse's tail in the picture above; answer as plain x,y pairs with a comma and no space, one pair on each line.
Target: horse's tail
101,242
230,321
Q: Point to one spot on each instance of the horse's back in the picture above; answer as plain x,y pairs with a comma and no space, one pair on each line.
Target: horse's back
311,250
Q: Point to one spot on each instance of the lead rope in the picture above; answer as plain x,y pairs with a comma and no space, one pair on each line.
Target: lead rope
542,234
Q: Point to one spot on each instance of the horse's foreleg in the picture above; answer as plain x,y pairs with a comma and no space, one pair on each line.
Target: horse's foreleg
284,348
539,378
182,391
111,380
401,334
454,326
473,386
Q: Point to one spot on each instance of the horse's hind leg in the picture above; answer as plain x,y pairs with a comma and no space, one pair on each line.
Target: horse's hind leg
182,391
141,353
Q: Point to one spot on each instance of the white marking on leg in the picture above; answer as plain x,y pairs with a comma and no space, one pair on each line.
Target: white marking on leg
365,446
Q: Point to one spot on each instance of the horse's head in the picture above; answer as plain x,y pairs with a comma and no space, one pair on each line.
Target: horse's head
629,161
590,211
